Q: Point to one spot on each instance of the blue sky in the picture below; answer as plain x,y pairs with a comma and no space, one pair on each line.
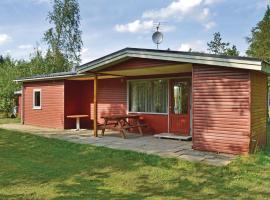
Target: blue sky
112,25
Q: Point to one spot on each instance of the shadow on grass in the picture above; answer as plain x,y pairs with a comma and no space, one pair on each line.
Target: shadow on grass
33,167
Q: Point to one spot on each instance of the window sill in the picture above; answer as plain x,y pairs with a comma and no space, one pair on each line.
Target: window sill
148,113
36,108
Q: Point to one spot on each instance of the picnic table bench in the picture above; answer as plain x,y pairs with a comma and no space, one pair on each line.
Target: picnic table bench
122,123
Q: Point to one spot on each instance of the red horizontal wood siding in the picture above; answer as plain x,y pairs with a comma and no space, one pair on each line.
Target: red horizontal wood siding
51,113
60,99
156,123
111,98
137,63
78,97
221,109
259,110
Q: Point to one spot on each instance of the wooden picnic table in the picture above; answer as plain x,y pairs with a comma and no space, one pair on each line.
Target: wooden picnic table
77,117
121,123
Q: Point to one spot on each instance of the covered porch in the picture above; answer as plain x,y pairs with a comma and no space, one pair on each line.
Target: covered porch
160,92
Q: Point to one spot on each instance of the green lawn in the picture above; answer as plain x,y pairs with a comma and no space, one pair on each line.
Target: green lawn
32,167
9,120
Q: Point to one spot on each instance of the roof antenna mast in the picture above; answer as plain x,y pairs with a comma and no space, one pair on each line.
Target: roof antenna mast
157,36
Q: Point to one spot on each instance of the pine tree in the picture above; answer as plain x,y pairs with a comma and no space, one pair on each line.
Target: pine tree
259,41
217,46
232,51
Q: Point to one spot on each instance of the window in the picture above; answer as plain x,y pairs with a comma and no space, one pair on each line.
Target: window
148,96
180,98
37,99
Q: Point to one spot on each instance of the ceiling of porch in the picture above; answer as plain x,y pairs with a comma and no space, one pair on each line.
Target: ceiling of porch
155,70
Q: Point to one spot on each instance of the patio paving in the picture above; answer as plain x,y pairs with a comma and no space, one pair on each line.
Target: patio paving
134,142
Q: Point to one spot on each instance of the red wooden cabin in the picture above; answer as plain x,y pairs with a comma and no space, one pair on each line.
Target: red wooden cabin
221,101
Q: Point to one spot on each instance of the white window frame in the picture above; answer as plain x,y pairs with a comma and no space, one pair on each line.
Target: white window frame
34,106
149,113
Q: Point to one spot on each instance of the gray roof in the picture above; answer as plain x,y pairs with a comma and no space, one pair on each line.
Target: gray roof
58,75
179,56
168,51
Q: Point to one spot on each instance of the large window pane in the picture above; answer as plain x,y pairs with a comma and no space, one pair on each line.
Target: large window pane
148,96
180,91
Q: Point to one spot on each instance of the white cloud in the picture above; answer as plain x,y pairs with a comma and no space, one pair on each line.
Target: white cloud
177,10
204,14
174,9
4,38
209,25
135,26
197,45
86,55
210,2
141,26
25,46
198,10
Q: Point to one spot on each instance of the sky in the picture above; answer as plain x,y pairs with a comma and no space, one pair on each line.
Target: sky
110,25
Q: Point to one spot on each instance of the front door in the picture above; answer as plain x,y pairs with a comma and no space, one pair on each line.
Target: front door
180,106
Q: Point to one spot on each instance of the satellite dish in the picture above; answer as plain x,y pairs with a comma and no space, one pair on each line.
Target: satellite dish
157,36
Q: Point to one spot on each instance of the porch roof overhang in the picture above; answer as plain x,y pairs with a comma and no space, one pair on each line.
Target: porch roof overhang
184,58
53,76
183,63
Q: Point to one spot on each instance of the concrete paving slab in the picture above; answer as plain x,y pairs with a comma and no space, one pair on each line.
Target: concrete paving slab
134,142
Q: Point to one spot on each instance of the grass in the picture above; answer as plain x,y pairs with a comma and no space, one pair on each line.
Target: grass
33,167
9,120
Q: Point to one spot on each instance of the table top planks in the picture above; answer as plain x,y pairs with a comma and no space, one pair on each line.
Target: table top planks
118,117
77,116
